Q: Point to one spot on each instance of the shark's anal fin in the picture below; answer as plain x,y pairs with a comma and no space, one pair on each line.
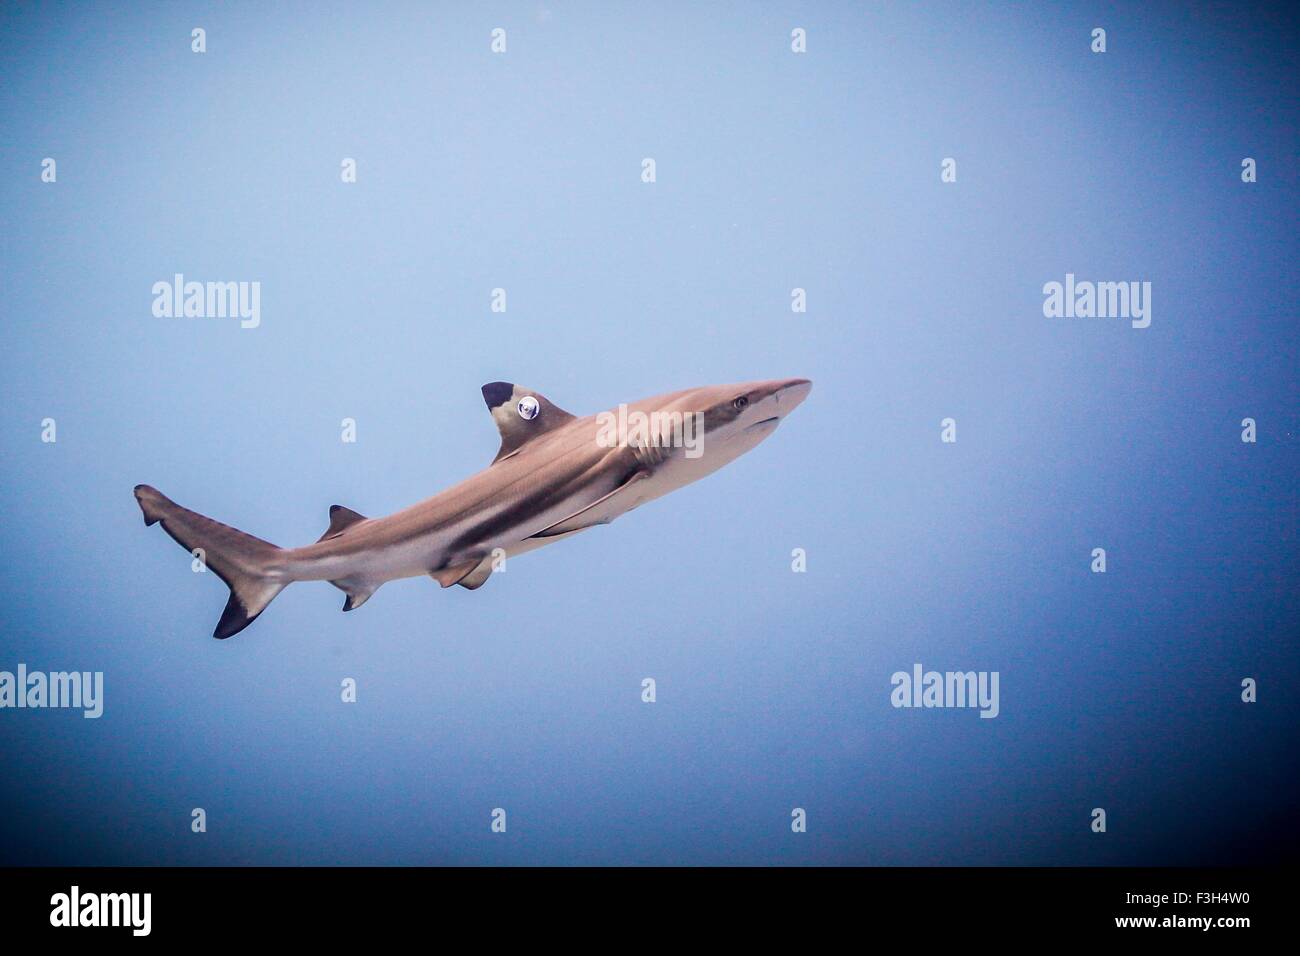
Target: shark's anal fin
358,591
340,520
520,415
455,573
601,511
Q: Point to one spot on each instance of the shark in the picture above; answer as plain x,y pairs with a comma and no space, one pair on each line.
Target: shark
554,476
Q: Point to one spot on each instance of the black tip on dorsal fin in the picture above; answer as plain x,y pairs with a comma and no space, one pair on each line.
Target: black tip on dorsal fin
340,520
504,402
497,393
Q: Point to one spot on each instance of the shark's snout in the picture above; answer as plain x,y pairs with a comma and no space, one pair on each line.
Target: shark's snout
791,393
777,399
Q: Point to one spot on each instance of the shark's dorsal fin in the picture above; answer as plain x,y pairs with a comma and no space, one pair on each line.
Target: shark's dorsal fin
340,520
521,415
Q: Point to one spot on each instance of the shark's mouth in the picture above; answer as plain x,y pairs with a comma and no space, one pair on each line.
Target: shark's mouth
767,421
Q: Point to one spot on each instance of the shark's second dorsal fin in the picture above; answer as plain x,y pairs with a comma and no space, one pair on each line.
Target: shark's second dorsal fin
521,415
340,520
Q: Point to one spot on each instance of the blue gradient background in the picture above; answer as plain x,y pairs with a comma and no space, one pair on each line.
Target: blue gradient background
774,171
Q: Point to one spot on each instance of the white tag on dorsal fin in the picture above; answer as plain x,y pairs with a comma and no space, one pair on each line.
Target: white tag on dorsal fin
520,415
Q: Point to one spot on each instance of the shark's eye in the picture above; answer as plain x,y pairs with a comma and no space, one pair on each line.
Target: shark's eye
740,403
529,407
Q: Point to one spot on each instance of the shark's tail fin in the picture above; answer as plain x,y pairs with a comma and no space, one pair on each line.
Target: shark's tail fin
245,563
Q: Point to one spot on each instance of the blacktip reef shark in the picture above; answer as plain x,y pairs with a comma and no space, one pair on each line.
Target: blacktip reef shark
555,475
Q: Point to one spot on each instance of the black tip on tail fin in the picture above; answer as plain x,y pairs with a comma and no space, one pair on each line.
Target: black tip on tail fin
234,619
148,498
245,563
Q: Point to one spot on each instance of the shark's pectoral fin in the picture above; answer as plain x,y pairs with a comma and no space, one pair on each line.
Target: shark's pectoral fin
340,520
455,573
601,511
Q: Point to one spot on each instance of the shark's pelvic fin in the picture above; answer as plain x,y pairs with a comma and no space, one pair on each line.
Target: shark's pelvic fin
478,577
340,520
239,559
601,511
455,573
520,415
